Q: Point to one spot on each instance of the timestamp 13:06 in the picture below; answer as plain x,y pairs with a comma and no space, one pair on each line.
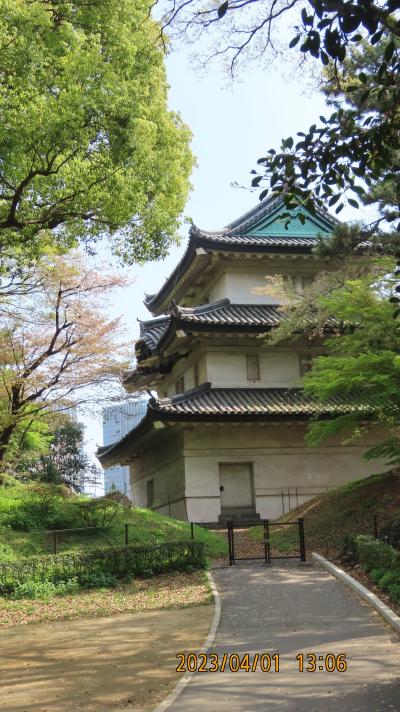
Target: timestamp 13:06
263,662
311,662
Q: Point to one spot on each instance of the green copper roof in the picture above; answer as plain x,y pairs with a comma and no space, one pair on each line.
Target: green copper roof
276,225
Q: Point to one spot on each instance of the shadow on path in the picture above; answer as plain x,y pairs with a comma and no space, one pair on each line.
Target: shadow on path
291,609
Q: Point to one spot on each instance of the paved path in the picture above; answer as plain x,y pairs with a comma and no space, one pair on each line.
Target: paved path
290,610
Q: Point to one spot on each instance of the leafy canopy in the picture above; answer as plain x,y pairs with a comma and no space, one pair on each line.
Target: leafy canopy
65,461
57,346
362,361
88,146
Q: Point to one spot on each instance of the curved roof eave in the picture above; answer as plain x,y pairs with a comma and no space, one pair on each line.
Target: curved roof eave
232,238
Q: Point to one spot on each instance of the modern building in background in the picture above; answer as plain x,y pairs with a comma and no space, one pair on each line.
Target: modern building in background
117,421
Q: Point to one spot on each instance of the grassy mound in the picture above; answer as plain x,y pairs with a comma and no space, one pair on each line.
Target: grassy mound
27,511
350,509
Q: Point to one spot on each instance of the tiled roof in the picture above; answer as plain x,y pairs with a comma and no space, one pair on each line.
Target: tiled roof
207,404
223,313
220,315
152,330
239,240
206,401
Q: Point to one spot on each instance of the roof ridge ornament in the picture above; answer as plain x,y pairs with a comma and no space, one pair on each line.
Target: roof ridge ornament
194,231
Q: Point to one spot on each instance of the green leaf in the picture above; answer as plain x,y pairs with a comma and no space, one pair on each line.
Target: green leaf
294,41
353,203
222,9
364,96
376,37
324,58
389,51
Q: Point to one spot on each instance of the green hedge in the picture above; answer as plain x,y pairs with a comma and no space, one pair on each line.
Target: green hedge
378,559
117,562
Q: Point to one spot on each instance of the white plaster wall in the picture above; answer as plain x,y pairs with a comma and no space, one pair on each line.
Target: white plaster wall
277,369
167,385
189,378
162,461
237,287
202,489
281,463
202,365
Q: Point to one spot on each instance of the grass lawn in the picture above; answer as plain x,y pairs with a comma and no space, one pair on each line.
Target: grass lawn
172,590
145,528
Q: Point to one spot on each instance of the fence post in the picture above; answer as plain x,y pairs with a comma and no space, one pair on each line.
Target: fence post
191,531
230,542
266,542
55,542
302,541
126,534
376,525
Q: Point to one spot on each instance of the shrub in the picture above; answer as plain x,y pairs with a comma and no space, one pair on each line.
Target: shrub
370,553
394,591
388,578
377,575
6,552
34,589
379,559
392,533
65,588
99,512
98,580
45,589
40,509
103,566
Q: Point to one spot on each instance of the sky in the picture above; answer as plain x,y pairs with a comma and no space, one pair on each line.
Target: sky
232,126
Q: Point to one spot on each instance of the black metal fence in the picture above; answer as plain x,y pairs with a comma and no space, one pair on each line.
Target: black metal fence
254,540
224,544
52,541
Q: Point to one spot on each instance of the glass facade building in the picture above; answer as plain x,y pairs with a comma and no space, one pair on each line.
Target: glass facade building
117,421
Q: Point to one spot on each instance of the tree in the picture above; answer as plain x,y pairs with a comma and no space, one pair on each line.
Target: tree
349,310
55,345
65,462
344,89
349,150
88,147
362,363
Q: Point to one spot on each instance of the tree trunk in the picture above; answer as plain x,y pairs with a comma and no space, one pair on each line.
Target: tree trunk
15,406
5,438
